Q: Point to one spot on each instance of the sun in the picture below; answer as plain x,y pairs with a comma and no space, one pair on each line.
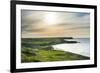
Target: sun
50,18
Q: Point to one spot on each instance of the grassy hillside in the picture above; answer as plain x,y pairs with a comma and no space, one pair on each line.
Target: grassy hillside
41,50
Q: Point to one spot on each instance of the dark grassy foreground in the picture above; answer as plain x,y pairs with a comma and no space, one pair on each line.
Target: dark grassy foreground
40,50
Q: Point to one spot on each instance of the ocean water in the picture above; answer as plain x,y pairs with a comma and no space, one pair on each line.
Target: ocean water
81,48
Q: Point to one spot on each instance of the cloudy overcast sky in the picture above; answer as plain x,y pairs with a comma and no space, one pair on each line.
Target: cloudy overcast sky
54,24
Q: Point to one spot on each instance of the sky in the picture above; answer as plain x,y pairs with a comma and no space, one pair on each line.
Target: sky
38,24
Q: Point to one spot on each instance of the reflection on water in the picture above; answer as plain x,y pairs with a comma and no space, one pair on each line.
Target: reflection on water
82,48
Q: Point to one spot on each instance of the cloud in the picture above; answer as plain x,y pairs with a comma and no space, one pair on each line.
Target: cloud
79,27
36,24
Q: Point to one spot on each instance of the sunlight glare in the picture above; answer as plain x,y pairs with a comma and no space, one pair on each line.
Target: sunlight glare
50,18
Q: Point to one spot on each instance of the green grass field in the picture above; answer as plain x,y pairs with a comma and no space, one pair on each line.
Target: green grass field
34,50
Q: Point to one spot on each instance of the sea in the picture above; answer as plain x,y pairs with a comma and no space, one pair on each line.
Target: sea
81,48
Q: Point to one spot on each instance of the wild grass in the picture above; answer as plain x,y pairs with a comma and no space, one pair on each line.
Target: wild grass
37,50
